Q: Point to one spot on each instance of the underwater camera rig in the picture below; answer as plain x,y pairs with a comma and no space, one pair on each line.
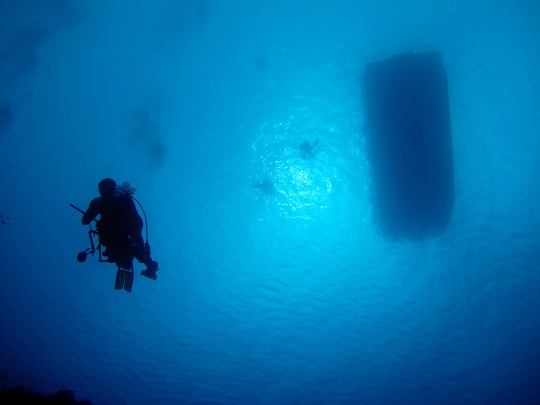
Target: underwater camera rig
83,255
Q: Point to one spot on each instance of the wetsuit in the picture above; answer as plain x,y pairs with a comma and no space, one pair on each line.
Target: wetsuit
119,219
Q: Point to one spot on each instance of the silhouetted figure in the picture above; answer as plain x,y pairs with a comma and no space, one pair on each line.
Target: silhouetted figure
120,227
4,219
308,150
266,186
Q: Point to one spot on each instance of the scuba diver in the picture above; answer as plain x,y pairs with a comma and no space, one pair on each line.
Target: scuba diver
307,149
119,230
266,186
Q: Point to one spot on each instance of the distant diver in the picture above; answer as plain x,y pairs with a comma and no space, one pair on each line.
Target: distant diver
119,230
266,186
308,150
4,219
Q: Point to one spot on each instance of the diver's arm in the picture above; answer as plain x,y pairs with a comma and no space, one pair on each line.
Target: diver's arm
92,212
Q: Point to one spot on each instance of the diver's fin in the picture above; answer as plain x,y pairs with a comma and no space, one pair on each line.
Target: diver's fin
128,280
119,283
124,279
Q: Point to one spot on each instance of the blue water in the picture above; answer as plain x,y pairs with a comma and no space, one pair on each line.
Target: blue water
291,298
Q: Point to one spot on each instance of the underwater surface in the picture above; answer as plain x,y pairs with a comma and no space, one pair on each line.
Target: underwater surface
283,292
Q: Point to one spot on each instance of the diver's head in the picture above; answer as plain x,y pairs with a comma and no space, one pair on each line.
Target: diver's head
107,187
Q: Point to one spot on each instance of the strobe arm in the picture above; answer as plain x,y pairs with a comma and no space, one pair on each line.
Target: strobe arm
81,256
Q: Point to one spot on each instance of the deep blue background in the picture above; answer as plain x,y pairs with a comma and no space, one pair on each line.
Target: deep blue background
285,299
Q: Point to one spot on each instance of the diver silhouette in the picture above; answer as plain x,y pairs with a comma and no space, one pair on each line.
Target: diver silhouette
266,186
308,150
119,229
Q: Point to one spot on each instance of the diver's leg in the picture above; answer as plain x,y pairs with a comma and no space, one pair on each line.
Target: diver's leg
128,279
142,254
142,250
